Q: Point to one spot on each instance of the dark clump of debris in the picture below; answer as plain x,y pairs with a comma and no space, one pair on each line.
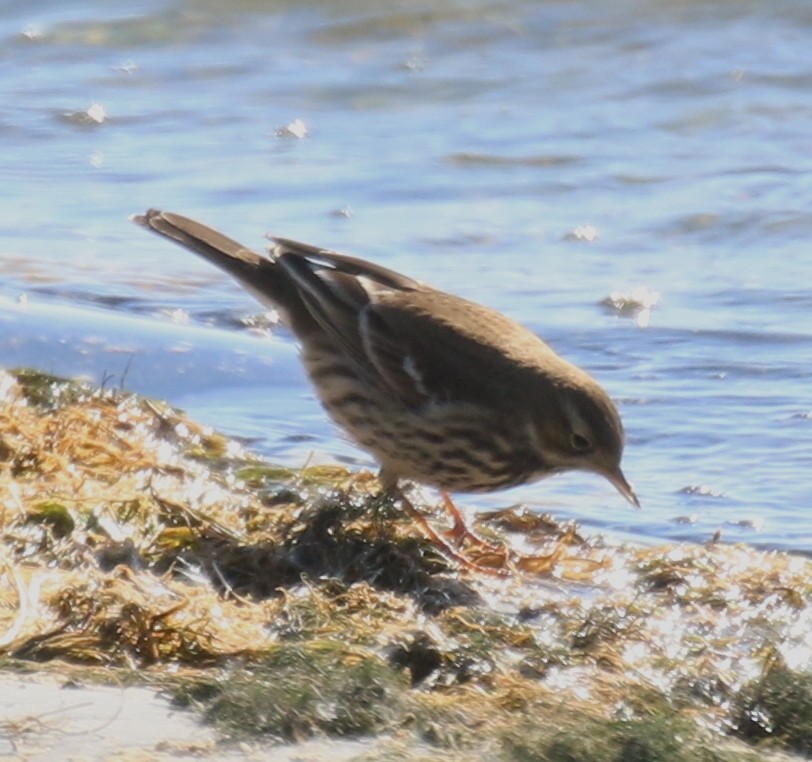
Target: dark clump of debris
139,546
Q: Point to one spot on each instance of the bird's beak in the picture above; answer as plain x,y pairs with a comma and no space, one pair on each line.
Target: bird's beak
617,478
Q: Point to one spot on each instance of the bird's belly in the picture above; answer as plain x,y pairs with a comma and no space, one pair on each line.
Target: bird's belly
457,448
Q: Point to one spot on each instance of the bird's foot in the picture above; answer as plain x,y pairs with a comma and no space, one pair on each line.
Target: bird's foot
497,558
446,548
451,552
460,532
489,558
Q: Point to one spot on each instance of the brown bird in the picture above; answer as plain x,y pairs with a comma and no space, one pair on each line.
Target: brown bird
440,390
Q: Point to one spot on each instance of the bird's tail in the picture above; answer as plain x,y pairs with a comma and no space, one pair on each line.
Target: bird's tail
258,274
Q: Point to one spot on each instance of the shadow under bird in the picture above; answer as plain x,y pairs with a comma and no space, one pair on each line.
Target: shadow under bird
440,390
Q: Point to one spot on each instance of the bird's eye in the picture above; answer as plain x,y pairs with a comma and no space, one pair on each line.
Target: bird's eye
580,443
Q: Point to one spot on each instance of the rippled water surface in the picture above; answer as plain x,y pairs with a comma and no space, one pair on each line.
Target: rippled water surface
632,180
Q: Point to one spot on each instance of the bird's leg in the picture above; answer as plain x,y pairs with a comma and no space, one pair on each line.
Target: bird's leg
495,561
441,543
505,559
460,532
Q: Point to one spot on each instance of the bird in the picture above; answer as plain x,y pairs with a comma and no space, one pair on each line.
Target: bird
441,391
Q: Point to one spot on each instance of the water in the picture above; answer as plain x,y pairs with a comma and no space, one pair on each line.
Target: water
535,156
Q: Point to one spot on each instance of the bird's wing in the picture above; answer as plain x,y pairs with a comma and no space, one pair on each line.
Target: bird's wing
417,343
440,347
321,260
339,291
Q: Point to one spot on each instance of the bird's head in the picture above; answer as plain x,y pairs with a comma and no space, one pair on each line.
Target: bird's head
582,430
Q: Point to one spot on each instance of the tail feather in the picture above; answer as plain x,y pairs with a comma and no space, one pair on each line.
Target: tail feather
257,274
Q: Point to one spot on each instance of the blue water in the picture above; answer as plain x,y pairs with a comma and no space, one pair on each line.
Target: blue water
541,157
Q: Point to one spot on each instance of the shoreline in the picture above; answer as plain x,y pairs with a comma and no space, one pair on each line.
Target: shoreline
282,606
